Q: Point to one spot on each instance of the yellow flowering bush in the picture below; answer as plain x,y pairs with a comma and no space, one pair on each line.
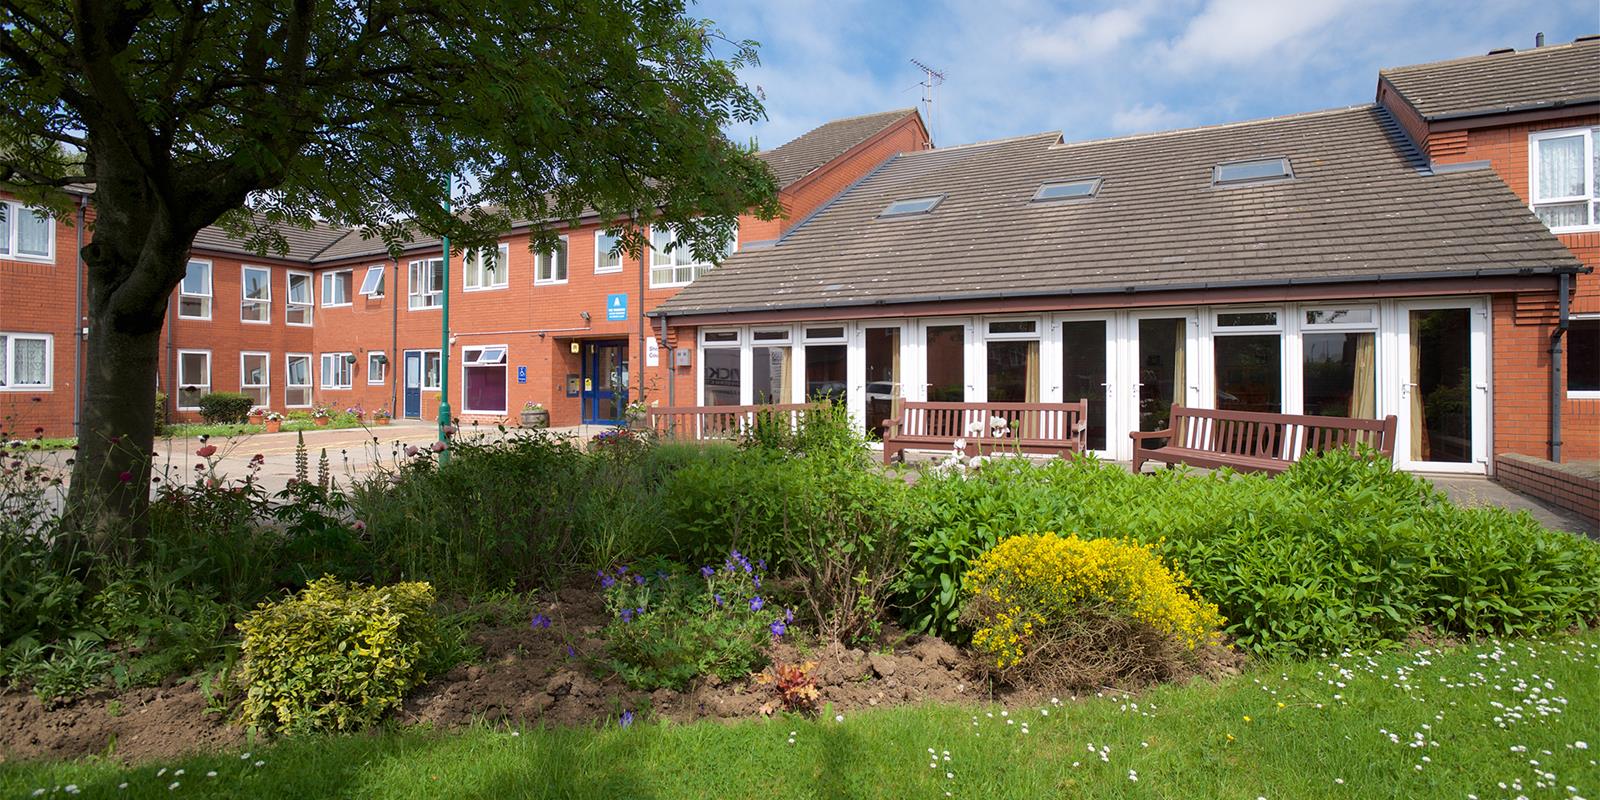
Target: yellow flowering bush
1024,592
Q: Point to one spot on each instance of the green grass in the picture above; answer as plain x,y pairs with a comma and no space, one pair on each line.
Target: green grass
191,430
47,443
1176,738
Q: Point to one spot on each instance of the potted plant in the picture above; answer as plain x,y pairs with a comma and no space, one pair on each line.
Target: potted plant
534,415
257,415
381,416
356,411
635,413
273,420
321,416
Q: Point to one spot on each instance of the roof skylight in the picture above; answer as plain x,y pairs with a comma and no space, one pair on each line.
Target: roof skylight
914,205
1256,171
1067,190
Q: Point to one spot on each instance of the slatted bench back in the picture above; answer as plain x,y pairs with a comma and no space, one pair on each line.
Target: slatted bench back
1037,422
1285,437
721,422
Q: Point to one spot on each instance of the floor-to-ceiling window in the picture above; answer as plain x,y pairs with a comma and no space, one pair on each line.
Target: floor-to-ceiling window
719,367
1083,372
771,366
1247,361
881,351
1438,384
1011,354
1162,366
1339,362
945,357
827,358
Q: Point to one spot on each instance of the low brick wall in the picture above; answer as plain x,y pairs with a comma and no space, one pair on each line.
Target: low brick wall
1575,487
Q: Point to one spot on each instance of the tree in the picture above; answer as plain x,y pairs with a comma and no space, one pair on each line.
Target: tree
255,115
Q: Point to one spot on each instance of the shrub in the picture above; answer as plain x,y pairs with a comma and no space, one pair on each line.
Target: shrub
225,407
336,657
1033,597
161,411
669,629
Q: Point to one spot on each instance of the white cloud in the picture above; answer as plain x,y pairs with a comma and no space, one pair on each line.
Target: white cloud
1080,37
1142,117
1236,32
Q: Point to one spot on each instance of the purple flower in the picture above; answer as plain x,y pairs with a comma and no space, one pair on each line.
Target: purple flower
761,564
788,615
706,572
626,614
540,621
638,579
756,579
717,598
756,603
571,653
778,628
626,719
606,581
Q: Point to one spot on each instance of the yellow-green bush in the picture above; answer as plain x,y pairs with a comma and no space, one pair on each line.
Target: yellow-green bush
1027,589
336,657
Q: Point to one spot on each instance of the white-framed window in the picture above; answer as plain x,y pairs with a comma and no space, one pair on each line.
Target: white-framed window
1024,328
1247,359
431,372
26,234
1338,361
485,268
721,367
25,361
372,282
551,267
607,258
483,379
1564,178
299,307
297,380
255,295
336,287
377,367
194,378
671,265
1583,357
338,370
425,284
194,293
255,378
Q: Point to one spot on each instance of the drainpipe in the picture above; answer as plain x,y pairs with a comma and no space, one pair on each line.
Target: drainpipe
1562,321
672,367
82,324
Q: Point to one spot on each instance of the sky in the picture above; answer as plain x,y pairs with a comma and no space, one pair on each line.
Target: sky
1094,70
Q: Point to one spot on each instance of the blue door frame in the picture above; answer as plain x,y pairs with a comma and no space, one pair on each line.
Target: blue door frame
605,382
413,385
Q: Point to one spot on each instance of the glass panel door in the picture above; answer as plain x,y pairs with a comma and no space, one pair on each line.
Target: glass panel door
1443,414
605,383
881,348
1084,372
945,361
1162,367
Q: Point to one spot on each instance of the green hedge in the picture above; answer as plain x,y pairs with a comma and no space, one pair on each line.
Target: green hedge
221,407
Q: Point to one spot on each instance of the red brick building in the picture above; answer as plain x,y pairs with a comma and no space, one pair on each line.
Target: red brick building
339,322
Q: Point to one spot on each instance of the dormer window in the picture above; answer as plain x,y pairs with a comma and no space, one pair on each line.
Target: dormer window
914,205
1235,173
1067,190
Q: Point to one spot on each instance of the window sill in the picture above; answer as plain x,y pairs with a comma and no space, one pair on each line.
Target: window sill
25,388
549,283
41,260
337,305
423,308
194,319
1583,394
612,271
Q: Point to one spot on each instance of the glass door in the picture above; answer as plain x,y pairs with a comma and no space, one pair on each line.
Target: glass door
944,360
1086,364
1164,367
605,382
881,377
1443,408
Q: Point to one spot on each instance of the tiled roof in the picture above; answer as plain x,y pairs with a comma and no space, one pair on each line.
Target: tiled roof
1360,206
304,245
1543,77
805,154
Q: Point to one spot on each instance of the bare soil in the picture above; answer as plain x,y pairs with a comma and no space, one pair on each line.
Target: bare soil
524,676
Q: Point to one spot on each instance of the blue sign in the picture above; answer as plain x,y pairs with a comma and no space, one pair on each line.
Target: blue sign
616,308
522,374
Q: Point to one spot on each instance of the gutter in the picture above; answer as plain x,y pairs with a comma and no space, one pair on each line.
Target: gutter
1546,105
1070,292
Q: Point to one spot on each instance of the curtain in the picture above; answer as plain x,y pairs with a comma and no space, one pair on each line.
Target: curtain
1363,389
1419,432
1031,392
33,233
785,376
1560,168
1180,363
28,357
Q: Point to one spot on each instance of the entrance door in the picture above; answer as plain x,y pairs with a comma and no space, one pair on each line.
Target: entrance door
605,382
879,383
413,385
944,360
1443,403
1162,372
1087,345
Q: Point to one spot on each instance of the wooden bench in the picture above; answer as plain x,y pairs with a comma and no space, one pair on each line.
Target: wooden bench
1050,428
719,422
1251,441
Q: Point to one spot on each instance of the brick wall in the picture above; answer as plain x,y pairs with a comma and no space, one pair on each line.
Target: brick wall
41,298
1571,487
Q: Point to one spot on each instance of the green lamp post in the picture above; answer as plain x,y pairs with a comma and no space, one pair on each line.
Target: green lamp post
444,353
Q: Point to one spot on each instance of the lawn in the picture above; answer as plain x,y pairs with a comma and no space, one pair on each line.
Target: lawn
1496,719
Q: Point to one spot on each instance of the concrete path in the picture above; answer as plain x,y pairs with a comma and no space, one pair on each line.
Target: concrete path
1476,490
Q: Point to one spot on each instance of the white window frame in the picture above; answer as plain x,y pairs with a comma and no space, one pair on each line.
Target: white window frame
349,299
541,260
177,393
207,297
376,291
1591,197
341,360
266,373
661,259
288,375
12,212
437,385
8,361
989,335
266,302
419,286
1330,327
502,360
1218,329
1579,394
602,253
472,265
381,360
289,302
